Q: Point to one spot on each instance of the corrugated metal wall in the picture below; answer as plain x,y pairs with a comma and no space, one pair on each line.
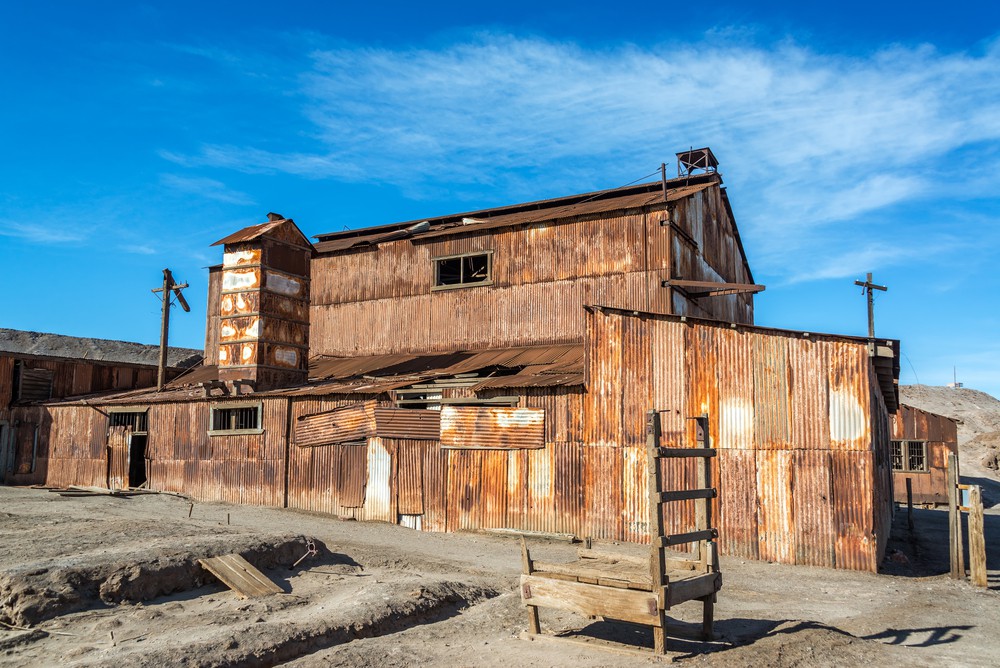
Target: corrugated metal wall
941,434
800,424
543,274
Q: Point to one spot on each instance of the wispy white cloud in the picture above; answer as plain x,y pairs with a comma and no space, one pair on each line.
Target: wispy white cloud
139,249
205,187
40,233
820,139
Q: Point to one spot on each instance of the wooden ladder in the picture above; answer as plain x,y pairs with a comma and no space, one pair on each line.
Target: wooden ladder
704,534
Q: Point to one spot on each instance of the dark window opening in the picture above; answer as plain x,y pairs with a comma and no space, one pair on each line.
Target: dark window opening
137,420
32,384
463,270
909,456
236,418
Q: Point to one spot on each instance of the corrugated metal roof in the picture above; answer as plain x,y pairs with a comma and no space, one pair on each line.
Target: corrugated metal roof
630,197
100,350
534,366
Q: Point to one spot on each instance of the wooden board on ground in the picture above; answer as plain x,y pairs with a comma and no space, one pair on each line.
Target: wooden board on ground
239,575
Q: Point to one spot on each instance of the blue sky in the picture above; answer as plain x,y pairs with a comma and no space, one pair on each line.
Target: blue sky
853,137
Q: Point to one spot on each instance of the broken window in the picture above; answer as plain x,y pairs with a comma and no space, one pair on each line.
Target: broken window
910,456
458,270
240,419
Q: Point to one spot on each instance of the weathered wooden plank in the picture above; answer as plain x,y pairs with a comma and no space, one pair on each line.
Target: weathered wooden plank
690,537
626,605
692,588
240,576
664,453
977,539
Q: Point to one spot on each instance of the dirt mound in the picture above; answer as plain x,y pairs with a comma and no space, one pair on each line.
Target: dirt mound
978,413
46,589
801,644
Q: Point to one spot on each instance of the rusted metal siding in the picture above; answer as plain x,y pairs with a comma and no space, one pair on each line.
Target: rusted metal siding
347,423
543,273
781,405
407,423
6,381
489,427
263,332
77,452
941,435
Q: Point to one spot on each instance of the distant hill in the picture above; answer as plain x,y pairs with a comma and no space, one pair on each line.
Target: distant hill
978,414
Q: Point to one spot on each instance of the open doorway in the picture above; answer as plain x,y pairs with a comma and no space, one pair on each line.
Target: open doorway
137,421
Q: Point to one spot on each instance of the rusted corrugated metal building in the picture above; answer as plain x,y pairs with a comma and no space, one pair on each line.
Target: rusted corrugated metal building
36,367
921,443
493,368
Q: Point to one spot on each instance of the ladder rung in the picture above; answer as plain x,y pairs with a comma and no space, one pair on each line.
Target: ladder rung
685,452
687,494
692,537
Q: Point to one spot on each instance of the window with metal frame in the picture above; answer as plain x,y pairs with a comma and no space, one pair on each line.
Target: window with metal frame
455,271
236,419
909,456
137,420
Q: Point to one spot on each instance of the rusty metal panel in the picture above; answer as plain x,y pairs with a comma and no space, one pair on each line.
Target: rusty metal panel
810,395
734,426
850,414
6,381
493,489
338,425
603,402
812,508
635,494
409,479
353,476
772,412
853,514
378,504
774,489
517,488
489,427
464,471
408,423
603,491
118,457
568,487
737,503
541,486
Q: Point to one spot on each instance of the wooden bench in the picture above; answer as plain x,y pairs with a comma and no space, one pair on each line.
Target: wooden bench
630,588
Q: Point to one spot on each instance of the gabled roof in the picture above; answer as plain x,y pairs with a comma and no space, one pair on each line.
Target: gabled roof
39,344
628,197
277,227
601,201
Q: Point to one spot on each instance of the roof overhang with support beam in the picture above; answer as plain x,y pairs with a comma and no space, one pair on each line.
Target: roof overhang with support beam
698,289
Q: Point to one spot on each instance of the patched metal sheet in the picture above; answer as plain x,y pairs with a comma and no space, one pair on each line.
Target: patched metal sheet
490,428
339,425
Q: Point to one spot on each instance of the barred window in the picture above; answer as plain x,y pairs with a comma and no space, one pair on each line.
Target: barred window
910,456
137,420
236,419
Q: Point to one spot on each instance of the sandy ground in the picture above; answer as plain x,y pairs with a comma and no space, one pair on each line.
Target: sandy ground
114,581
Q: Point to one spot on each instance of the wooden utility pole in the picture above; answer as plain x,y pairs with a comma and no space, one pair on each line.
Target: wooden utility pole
868,287
168,286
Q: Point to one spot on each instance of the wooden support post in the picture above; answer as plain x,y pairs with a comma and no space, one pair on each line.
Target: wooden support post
977,539
534,628
909,503
657,559
708,602
954,521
